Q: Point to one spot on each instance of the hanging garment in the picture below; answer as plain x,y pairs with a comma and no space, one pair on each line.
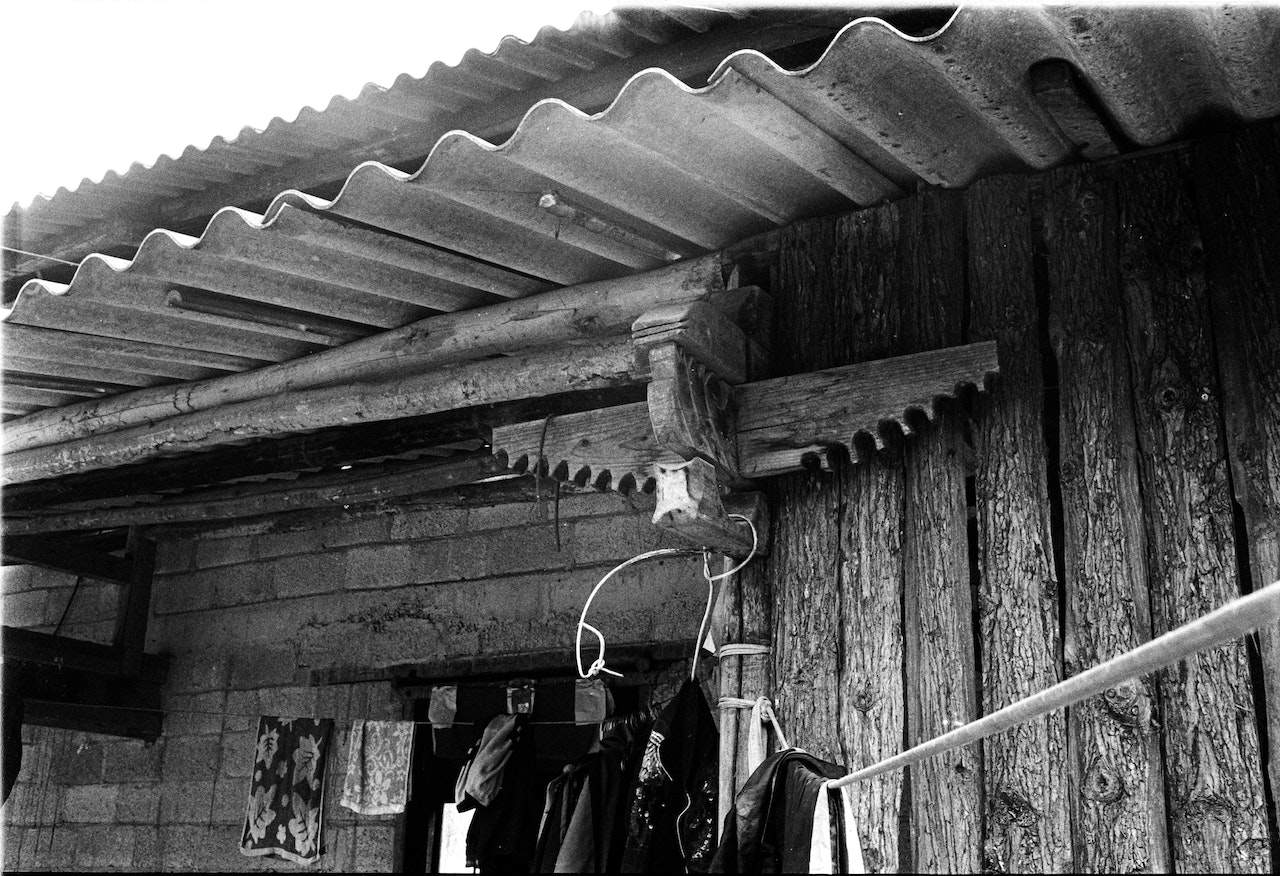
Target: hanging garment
583,821
671,826
503,834
378,765
481,777
286,797
782,821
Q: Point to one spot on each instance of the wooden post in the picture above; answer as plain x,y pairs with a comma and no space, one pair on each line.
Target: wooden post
1237,187
1025,778
135,602
1113,743
941,687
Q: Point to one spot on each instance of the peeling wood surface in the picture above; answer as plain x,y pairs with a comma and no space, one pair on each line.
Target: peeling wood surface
1238,198
1114,745
941,689
1217,816
583,366
1025,780
589,310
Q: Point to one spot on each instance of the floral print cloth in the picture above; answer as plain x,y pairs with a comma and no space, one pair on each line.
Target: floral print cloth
286,799
378,761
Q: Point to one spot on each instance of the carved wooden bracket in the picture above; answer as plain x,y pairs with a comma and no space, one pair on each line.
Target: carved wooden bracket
703,431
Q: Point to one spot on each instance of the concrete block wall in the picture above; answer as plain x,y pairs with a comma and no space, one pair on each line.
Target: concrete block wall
37,599
248,612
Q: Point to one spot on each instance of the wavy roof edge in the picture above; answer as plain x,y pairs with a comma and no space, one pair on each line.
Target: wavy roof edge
1039,37
585,23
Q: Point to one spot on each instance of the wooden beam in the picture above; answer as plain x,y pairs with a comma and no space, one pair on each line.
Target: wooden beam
585,311
318,491
65,557
29,646
565,368
135,602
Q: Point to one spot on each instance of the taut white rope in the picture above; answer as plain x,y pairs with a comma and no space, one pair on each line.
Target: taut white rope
1231,621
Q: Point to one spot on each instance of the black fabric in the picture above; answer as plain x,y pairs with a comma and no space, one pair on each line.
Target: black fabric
557,738
762,830
671,827
11,709
503,835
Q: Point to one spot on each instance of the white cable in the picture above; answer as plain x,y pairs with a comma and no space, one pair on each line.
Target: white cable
598,665
711,590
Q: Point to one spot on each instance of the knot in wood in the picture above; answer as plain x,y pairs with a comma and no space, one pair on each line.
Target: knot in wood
1129,705
1102,783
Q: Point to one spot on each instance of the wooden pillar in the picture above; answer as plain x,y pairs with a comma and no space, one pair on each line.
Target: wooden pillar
1113,741
1237,189
1025,777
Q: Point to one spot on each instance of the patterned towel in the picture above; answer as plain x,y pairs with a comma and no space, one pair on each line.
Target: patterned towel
286,799
377,780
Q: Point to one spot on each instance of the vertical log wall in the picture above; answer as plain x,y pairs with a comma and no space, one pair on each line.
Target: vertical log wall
1123,478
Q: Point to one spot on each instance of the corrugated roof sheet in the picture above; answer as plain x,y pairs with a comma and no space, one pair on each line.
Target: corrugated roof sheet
664,172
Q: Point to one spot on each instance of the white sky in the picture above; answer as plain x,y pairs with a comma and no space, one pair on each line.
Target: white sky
93,85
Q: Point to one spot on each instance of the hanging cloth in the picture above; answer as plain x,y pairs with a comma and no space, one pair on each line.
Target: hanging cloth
671,827
787,819
286,796
378,763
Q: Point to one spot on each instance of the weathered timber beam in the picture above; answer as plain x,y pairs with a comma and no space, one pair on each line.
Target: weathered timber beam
780,422
64,557
316,450
84,699
134,606
588,310
317,491
565,368
28,646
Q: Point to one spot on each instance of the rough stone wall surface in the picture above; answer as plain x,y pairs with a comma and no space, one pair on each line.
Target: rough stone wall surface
247,613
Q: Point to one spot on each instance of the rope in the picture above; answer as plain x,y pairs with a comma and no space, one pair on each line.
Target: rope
742,649
598,665
1231,621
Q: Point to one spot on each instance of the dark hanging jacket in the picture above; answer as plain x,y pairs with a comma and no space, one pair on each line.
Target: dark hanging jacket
672,822
770,827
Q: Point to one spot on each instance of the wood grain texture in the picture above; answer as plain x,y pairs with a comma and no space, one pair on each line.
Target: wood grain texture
1217,814
1237,186
1025,777
941,690
1113,742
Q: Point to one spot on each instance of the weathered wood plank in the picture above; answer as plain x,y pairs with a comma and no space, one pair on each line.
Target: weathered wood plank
1025,779
65,557
316,491
589,310
567,368
1113,745
1237,187
1217,814
941,689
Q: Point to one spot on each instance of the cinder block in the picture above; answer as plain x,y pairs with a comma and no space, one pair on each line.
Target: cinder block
530,549
186,802
182,847
375,850
421,525
432,562
260,666
18,578
614,539
146,850
190,757
606,503
132,760
364,530
138,803
308,574
338,848
507,515
105,848
211,552
230,798
289,702
79,763
175,555
93,804
282,544
237,754
378,566
197,671
245,584
188,714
